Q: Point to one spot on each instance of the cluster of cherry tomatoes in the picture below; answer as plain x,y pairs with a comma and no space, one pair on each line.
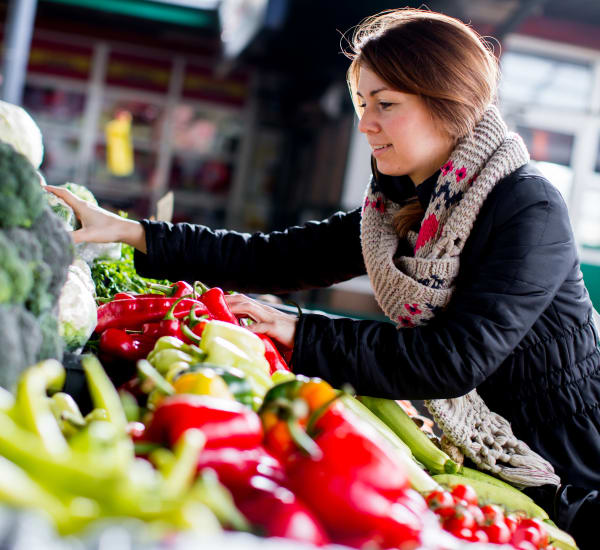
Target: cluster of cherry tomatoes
461,515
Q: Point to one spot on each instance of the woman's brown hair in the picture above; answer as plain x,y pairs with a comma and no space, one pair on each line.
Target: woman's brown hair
431,55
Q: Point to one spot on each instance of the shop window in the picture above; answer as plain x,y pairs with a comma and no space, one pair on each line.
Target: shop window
529,79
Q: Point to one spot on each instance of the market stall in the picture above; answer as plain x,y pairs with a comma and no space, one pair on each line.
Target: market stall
145,414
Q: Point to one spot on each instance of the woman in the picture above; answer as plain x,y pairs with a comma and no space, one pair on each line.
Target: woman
470,254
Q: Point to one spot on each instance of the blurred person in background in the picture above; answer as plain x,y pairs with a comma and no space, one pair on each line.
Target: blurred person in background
470,254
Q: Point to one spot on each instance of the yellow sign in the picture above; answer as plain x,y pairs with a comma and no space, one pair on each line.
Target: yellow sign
119,149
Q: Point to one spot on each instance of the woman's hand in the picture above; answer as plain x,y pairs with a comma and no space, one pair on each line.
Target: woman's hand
277,325
99,225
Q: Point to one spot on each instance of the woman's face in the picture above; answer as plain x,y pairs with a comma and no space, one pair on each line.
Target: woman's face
404,138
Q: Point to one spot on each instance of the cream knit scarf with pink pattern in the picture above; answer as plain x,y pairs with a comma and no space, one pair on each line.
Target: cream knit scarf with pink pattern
412,289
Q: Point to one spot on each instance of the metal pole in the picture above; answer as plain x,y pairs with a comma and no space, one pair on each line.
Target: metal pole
17,42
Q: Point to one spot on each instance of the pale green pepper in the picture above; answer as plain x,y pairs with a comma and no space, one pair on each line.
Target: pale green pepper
241,337
163,359
18,489
222,352
33,407
180,474
67,413
170,342
104,394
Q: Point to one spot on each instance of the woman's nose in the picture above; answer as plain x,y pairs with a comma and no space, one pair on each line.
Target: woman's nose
366,124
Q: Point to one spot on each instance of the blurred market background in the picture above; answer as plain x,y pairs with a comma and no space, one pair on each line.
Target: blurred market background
240,107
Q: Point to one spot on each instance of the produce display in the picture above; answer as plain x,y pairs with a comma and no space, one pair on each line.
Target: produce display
35,254
211,436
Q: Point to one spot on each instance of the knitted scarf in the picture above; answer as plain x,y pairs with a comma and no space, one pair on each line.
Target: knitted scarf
412,290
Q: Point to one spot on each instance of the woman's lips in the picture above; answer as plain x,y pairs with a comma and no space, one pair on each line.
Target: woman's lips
379,150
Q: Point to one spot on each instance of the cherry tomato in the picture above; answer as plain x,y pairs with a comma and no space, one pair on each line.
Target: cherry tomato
464,492
498,532
479,535
492,513
527,534
461,520
477,514
463,533
441,502
524,545
539,526
511,522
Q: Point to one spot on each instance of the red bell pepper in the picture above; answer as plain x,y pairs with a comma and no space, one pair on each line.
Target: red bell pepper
362,489
214,299
277,512
118,343
225,423
272,355
133,313
235,467
285,423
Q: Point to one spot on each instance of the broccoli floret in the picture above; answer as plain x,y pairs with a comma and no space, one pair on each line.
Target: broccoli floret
21,195
52,343
30,251
16,277
20,340
57,249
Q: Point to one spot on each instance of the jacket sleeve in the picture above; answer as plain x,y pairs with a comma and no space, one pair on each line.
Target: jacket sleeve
528,254
316,254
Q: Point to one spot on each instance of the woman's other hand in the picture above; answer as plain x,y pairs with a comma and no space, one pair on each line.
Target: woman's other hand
277,325
99,225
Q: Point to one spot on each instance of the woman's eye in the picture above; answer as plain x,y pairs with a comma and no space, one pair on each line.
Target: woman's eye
384,105
362,105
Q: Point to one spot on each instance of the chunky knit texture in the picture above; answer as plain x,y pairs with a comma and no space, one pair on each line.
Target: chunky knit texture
411,290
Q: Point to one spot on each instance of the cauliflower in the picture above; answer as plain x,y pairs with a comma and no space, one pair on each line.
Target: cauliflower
77,314
19,130
62,211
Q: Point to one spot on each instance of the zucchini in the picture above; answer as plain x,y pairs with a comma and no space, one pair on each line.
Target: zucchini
419,479
511,499
478,475
559,538
423,449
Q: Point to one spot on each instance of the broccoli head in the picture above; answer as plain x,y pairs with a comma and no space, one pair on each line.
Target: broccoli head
52,345
21,196
29,250
16,277
57,249
20,341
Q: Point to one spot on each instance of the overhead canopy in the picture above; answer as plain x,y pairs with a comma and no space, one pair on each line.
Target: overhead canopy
190,13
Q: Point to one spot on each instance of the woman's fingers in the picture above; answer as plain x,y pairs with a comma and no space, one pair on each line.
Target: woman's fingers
267,320
97,225
70,198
